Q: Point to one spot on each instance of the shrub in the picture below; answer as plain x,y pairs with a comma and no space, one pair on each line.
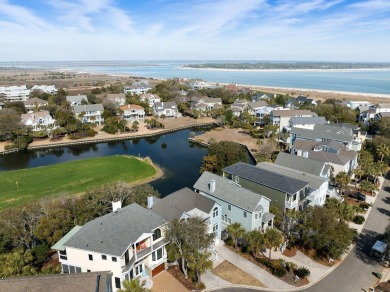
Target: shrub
279,271
302,272
201,286
229,241
91,132
10,146
290,266
358,219
364,206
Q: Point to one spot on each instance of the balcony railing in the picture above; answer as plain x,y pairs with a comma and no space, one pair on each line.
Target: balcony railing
142,253
291,204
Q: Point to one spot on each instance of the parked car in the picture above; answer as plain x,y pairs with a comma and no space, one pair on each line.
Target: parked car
360,197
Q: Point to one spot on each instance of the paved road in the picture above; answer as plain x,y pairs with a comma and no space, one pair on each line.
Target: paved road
355,272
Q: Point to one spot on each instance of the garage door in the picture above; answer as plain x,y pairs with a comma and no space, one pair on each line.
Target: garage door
158,269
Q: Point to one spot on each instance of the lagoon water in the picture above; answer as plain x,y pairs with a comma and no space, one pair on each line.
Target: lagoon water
360,81
179,159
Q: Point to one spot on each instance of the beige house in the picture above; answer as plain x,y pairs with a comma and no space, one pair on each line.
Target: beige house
281,118
133,112
129,242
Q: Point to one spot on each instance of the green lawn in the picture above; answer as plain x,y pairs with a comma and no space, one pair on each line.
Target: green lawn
23,186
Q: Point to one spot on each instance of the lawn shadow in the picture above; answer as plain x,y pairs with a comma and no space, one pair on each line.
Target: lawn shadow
364,244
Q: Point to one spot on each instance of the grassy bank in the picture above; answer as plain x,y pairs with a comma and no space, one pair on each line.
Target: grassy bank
23,186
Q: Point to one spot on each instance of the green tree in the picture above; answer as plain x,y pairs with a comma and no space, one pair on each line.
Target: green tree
255,240
9,123
367,186
343,179
384,126
272,239
383,151
134,285
358,172
199,262
236,231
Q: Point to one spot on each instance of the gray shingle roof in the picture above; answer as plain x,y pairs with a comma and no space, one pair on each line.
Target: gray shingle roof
88,108
301,163
293,113
314,181
113,233
174,205
266,178
317,134
308,120
76,98
228,191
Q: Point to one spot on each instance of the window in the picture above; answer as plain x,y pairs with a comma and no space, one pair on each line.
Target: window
215,212
104,257
157,254
156,234
88,271
245,214
236,179
229,207
225,218
229,221
63,255
90,257
117,282
113,259
215,227
256,216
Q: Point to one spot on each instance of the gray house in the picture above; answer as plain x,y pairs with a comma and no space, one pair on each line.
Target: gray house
186,203
89,113
238,204
76,99
285,192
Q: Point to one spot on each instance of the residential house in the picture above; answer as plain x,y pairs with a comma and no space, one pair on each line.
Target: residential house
197,85
77,99
238,107
233,87
39,120
14,93
355,104
317,186
261,96
250,209
205,103
381,115
89,113
169,109
150,98
382,108
253,107
265,111
245,90
305,122
295,102
186,203
35,103
133,112
338,133
137,89
302,164
50,89
119,99
129,243
281,118
338,156
285,192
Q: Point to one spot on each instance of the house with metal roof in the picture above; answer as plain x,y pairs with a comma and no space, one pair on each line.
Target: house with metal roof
295,102
284,192
186,203
281,118
317,186
167,108
239,204
89,113
305,122
129,242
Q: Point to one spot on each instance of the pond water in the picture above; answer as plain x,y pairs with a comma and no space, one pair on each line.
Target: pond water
179,159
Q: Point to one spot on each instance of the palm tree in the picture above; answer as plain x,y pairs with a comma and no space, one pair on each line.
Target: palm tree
134,285
358,172
343,179
255,240
236,231
272,238
383,151
200,262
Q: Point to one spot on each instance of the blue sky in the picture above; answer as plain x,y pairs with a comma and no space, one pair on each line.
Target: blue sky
316,30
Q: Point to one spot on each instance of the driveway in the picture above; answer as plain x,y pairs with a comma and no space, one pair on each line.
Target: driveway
355,272
165,282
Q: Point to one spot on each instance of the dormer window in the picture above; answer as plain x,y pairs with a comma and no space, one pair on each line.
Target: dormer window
215,212
156,234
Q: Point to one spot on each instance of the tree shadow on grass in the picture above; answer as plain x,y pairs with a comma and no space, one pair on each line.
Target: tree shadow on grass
364,244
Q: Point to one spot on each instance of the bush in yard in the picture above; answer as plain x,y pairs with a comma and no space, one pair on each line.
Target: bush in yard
10,146
279,271
290,266
358,219
364,206
302,272
229,241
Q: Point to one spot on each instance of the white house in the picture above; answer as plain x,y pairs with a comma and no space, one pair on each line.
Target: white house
89,113
239,204
300,100
186,203
76,99
239,106
35,103
201,85
254,106
129,242
169,109
150,98
353,104
205,103
133,112
38,120
305,122
15,93
141,89
281,118
50,89
117,99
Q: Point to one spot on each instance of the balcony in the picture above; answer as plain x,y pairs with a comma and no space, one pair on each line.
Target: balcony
291,204
142,253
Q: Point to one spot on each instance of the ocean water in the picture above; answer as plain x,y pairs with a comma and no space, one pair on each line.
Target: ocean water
360,81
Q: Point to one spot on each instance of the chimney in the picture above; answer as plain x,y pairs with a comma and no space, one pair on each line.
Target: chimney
212,185
116,205
150,202
305,154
